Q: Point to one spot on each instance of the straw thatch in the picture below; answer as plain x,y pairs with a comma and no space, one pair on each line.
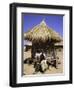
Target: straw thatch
43,33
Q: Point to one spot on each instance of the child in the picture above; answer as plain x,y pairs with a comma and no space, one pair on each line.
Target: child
44,65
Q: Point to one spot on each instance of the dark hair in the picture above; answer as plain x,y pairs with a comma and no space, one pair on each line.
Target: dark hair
38,51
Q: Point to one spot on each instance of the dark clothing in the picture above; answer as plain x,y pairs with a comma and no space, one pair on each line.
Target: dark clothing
42,57
38,67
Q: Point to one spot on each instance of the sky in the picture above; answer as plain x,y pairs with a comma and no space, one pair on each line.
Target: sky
53,21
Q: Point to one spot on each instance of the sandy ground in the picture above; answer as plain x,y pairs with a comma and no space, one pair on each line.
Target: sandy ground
29,69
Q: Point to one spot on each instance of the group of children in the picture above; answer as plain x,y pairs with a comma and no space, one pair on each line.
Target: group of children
40,64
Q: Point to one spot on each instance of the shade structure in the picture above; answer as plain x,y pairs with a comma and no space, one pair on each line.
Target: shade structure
43,33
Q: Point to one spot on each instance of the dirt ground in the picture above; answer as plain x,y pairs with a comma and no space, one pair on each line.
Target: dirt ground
29,70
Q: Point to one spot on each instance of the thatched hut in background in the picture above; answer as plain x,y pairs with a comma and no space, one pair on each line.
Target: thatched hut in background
59,50
43,38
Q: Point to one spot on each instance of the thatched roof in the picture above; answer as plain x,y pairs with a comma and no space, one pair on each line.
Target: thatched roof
43,33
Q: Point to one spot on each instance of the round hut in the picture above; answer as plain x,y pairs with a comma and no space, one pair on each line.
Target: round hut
43,39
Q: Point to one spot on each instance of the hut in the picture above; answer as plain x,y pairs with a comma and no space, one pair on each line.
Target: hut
59,51
43,39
